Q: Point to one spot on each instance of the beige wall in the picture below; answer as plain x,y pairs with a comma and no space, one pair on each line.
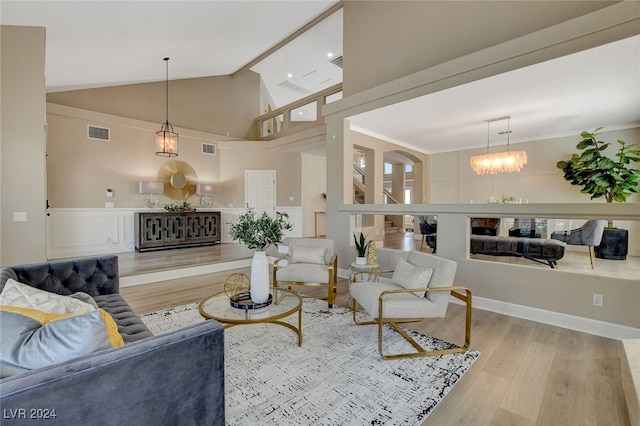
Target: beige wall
221,105
22,145
80,170
386,40
236,157
540,181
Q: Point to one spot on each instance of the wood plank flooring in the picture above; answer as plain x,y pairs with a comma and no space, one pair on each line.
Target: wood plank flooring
528,374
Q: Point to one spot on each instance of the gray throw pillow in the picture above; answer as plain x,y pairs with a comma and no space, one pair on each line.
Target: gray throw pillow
27,344
84,297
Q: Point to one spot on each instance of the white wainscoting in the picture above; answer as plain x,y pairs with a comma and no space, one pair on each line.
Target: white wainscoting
92,232
89,232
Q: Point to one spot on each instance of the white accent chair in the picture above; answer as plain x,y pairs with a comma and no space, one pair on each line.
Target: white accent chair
419,289
311,262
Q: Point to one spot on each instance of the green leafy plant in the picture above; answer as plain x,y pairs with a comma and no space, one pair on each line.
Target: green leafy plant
601,176
178,208
362,245
259,232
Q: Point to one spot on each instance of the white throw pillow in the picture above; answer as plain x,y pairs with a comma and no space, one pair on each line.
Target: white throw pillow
302,254
409,276
24,296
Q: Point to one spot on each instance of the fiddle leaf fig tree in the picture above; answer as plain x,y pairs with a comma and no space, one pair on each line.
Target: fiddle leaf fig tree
599,175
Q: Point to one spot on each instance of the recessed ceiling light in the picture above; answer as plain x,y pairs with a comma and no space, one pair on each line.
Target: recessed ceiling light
330,54
289,75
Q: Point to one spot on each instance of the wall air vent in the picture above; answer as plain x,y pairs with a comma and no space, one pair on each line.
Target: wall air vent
337,61
209,149
292,86
98,133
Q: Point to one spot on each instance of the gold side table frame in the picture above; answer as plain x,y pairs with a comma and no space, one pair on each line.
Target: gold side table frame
285,303
364,272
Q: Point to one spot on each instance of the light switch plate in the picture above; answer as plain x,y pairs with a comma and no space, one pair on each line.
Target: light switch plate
19,216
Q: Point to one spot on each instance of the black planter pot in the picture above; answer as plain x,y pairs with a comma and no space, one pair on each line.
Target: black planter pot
614,244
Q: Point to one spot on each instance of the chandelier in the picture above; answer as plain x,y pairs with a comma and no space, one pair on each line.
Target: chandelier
166,138
499,162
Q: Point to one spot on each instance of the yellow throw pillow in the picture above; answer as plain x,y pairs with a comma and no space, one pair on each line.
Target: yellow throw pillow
112,329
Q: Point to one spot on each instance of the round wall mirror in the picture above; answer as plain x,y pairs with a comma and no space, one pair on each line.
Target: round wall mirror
178,180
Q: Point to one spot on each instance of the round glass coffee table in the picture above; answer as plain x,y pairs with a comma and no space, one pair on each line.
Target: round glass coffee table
285,303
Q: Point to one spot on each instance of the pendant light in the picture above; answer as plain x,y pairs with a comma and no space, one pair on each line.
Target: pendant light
166,138
499,162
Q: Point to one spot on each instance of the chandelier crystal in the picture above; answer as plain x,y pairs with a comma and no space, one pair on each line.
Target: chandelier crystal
499,162
166,138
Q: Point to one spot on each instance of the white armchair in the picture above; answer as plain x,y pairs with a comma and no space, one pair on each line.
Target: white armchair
419,289
311,262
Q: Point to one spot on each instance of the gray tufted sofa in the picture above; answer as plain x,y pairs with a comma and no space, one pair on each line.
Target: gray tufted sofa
97,276
175,378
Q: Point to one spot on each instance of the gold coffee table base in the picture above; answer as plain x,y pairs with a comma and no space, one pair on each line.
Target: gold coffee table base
285,303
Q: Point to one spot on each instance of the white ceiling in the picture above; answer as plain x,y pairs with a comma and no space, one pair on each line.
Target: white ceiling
93,44
105,43
562,97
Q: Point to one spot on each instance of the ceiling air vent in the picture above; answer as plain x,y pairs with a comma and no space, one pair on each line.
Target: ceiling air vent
337,61
98,133
208,148
292,86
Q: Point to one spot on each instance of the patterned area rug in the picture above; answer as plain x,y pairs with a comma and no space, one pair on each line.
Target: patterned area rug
337,377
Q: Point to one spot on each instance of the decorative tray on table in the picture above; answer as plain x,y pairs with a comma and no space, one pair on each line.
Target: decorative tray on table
243,301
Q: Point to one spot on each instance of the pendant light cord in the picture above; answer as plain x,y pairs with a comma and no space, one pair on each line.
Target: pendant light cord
488,132
508,132
167,90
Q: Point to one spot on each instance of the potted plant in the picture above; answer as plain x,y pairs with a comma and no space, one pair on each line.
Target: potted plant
184,208
361,249
259,233
603,177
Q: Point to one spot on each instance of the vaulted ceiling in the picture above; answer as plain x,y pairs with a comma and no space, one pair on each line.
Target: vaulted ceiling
100,43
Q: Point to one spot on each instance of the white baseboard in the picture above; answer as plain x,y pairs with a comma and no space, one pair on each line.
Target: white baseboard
571,322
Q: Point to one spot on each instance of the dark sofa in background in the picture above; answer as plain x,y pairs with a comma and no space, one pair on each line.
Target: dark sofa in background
175,378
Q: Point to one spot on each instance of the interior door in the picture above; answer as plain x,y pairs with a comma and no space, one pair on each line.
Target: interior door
260,190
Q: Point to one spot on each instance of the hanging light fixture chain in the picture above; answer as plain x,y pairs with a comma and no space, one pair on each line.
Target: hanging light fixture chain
508,132
488,133
167,91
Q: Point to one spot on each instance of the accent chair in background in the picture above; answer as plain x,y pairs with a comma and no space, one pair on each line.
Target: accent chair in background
589,234
310,261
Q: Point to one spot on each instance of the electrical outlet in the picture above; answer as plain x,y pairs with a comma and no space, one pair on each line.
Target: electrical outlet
108,240
597,300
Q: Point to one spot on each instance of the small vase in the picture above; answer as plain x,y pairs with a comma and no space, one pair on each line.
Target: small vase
259,286
361,260
372,254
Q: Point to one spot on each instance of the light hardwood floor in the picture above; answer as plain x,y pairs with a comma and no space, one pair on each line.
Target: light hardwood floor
528,373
